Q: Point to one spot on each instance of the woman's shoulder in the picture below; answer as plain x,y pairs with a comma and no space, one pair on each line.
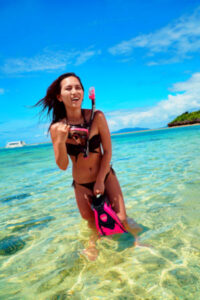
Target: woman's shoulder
54,125
97,114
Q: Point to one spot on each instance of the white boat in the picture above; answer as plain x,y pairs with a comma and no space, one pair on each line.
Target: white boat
15,144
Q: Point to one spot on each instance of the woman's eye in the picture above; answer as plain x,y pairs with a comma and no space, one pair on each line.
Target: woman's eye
69,88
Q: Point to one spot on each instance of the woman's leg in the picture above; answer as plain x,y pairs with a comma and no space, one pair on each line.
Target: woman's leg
83,195
113,190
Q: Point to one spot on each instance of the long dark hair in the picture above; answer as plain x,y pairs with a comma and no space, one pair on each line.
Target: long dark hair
50,101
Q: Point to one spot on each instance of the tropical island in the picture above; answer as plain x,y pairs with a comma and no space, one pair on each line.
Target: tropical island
186,119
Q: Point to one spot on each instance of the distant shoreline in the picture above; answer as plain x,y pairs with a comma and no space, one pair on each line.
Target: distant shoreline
147,130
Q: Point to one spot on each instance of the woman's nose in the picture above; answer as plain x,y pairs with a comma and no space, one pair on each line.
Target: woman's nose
73,90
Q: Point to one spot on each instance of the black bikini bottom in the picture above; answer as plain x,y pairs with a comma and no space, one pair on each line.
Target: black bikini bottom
90,185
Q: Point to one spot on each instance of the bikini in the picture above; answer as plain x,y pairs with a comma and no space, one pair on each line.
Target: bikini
93,144
107,222
90,185
75,150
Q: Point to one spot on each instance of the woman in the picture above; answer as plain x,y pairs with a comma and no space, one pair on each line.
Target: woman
92,175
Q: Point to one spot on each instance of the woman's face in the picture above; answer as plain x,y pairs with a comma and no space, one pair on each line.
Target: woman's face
71,92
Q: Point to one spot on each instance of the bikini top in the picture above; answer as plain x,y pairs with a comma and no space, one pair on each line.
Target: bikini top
94,142
75,150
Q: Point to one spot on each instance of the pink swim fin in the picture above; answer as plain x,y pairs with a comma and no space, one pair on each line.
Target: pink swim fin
107,222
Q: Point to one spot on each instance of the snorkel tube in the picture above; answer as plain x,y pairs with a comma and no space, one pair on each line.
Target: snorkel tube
92,97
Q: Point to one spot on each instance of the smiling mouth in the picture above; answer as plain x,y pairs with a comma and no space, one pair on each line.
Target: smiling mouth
75,99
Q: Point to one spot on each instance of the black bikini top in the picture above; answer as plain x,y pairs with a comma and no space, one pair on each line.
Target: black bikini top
94,142
75,150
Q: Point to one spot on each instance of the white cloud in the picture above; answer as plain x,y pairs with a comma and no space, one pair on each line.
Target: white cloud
84,56
186,97
189,86
178,40
47,61
2,91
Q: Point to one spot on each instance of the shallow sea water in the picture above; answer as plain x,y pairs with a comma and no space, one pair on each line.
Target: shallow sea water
42,235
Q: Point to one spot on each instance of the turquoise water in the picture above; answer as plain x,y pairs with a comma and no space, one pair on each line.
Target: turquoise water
42,235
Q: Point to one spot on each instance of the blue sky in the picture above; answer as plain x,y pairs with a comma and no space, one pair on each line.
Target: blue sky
142,57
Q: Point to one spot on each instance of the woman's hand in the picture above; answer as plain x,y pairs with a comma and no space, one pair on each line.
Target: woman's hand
59,134
99,188
60,131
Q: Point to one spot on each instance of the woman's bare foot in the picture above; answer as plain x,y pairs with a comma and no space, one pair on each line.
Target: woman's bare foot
91,251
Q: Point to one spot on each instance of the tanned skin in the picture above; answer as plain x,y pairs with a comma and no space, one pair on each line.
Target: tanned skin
93,168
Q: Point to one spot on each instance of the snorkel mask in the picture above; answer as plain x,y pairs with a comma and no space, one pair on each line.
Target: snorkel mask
78,132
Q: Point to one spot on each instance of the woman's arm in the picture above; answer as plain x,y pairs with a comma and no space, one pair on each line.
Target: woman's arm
59,133
107,152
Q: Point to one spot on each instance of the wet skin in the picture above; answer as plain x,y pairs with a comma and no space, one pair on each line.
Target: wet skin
95,167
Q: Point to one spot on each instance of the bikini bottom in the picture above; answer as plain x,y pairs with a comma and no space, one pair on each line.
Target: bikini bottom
90,185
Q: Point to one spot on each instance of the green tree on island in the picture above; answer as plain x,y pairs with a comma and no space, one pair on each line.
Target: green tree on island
186,119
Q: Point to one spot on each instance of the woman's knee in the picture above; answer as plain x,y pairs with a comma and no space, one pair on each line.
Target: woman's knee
91,223
87,215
